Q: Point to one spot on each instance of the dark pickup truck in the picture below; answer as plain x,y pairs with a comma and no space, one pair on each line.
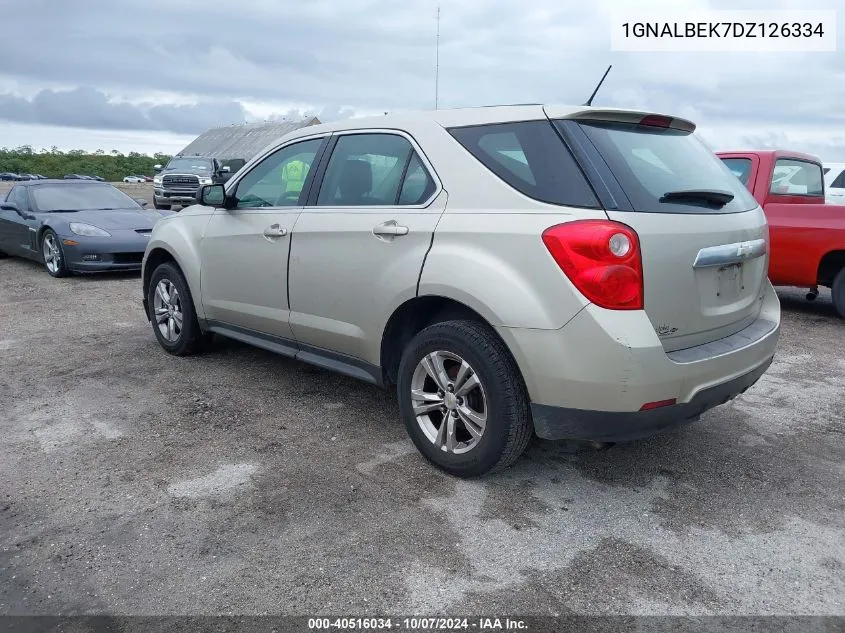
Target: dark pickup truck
179,182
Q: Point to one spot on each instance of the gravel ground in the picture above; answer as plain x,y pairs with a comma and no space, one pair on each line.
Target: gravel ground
132,482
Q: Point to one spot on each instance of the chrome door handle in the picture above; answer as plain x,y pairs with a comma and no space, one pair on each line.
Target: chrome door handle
274,230
390,228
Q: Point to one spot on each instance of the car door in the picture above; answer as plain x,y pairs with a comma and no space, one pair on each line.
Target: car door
244,250
14,229
358,247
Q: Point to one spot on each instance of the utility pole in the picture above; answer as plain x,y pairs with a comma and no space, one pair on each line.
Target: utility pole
437,63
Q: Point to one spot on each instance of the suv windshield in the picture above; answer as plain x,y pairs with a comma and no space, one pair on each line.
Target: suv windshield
195,165
79,197
664,170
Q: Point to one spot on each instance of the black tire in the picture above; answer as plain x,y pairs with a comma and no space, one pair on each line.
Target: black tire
838,292
508,428
161,207
60,269
191,339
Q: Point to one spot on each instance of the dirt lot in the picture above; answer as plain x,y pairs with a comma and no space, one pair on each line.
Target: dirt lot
240,482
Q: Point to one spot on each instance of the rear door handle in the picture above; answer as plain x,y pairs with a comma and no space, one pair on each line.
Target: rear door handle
274,230
390,228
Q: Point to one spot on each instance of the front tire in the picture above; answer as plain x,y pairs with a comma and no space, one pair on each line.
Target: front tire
53,254
172,312
463,399
838,293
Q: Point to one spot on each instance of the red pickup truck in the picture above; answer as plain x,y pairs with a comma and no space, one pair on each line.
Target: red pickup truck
807,236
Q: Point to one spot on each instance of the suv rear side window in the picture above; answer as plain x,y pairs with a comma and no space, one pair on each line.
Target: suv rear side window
740,167
796,177
531,158
650,162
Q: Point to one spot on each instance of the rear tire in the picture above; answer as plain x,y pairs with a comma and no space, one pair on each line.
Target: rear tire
838,292
480,382
172,312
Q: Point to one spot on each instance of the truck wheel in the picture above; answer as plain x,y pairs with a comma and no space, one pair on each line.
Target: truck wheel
463,399
838,291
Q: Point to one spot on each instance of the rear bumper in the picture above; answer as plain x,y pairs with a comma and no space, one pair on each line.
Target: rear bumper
554,423
612,362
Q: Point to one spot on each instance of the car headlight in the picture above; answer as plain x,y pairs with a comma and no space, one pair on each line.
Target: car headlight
88,230
206,181
157,180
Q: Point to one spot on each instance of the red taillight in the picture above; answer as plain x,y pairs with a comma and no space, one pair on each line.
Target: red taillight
648,406
602,258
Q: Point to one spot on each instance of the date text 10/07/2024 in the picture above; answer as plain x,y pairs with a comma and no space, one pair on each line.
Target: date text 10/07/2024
417,624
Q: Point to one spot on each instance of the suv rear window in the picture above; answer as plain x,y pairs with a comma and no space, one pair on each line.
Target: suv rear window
650,162
531,158
796,177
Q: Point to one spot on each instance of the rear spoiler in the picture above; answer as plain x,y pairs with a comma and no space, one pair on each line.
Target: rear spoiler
611,115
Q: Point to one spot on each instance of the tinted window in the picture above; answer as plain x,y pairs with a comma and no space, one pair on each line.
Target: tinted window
797,177
278,180
740,167
531,158
196,165
650,162
80,196
19,197
839,182
365,170
417,186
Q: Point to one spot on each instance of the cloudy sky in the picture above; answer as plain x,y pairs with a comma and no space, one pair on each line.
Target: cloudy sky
148,75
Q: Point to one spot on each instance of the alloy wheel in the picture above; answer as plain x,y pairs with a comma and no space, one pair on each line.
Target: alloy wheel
167,309
52,254
449,402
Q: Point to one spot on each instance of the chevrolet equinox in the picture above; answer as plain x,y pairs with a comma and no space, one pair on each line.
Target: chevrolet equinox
574,272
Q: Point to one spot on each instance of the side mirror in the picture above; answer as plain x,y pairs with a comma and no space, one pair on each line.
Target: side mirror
141,201
156,168
225,169
212,195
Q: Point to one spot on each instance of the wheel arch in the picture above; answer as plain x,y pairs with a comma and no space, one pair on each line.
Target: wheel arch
829,266
416,314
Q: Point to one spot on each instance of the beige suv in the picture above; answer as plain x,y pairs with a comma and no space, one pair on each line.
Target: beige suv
572,272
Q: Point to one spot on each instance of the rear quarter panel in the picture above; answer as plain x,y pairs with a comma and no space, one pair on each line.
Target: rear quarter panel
801,234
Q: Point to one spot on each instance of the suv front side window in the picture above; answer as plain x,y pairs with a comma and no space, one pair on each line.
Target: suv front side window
278,180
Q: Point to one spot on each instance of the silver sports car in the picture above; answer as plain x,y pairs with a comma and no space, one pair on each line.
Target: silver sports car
75,226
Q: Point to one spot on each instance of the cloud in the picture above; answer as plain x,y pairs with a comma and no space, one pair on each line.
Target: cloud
88,108
338,59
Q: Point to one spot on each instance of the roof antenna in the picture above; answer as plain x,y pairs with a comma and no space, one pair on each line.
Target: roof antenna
590,100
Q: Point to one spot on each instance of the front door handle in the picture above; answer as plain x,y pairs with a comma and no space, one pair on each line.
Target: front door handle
390,228
274,230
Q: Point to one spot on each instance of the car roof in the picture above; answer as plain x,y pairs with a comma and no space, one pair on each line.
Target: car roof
776,153
60,181
480,115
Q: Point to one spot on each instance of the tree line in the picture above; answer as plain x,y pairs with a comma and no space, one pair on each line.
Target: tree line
54,163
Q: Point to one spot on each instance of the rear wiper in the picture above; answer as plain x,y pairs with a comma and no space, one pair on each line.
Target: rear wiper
62,211
104,209
710,196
